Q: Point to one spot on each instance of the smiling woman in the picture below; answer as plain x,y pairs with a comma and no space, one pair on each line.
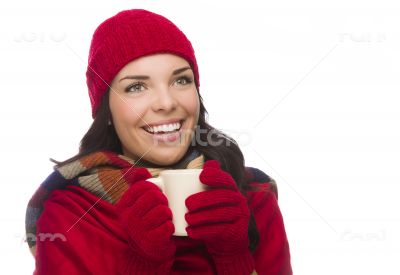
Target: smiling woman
165,103
149,116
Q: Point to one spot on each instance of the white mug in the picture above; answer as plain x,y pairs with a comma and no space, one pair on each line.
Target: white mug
177,185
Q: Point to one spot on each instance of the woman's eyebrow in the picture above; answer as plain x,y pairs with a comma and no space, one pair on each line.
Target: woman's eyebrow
144,77
178,71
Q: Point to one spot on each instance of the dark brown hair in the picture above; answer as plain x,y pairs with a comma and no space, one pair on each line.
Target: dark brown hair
102,136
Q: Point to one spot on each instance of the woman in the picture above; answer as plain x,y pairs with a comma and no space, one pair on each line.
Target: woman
97,214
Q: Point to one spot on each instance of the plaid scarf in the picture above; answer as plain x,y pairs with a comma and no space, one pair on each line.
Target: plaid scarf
103,173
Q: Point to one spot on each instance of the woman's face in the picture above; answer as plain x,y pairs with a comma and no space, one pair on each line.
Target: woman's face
157,91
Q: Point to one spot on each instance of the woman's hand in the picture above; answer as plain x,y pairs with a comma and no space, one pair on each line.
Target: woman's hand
220,217
143,211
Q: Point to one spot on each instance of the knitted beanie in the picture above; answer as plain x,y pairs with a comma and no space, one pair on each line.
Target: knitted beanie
126,36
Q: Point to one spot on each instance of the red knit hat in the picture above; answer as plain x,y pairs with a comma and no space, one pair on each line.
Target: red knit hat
126,36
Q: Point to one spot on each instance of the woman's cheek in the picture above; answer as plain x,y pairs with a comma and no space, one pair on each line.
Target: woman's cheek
192,103
132,111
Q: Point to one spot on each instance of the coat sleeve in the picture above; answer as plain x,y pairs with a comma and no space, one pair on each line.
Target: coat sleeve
272,255
77,234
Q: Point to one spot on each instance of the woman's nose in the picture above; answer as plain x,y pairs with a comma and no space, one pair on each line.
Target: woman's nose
164,100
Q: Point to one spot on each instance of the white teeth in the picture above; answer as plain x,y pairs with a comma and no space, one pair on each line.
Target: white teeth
163,128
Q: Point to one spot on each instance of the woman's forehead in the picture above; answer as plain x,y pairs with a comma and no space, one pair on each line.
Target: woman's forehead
165,59
156,64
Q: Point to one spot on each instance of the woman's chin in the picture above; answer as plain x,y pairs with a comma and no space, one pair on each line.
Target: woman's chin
166,156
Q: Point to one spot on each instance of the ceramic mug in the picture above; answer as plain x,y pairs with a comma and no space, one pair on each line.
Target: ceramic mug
177,185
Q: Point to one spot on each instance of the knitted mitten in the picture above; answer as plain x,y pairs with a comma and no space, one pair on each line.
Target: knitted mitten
143,211
220,217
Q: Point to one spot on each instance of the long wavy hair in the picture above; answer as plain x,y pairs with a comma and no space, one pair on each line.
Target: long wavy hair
102,136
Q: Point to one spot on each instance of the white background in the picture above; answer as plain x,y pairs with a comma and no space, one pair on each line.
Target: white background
309,89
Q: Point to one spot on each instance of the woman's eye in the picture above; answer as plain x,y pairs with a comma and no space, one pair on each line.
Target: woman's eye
184,80
136,87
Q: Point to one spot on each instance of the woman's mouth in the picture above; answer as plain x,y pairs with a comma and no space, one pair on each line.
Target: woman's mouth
166,133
